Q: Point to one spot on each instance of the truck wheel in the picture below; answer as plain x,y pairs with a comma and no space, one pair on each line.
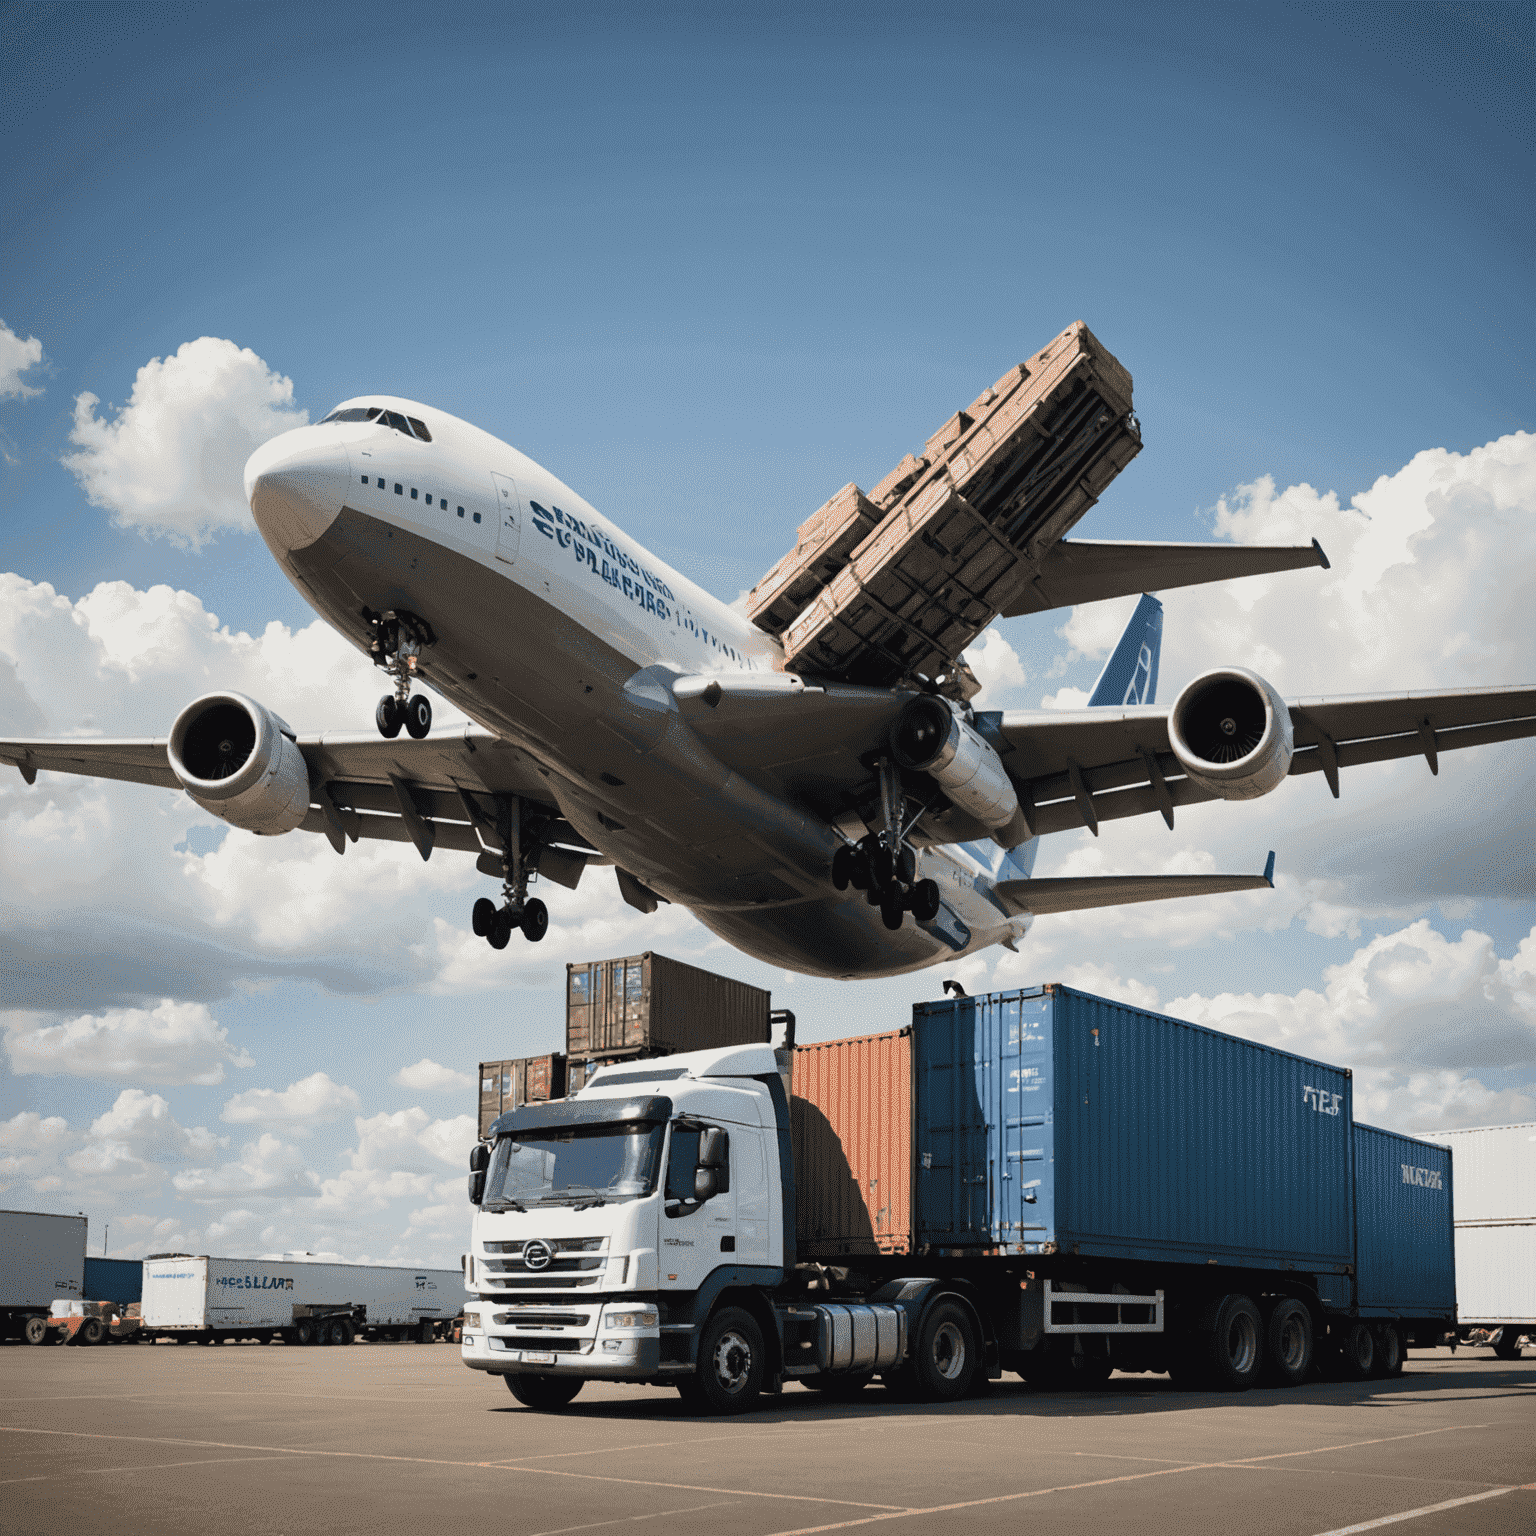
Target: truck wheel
1389,1352
1236,1348
1357,1352
731,1360
545,1393
35,1330
1507,1345
945,1357
303,1331
339,1332
91,1331
1288,1343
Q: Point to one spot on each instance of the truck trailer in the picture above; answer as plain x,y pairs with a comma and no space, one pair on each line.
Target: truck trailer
42,1260
1036,1181
207,1300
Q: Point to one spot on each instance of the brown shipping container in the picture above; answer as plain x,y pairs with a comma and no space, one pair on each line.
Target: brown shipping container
851,1120
826,539
508,1085
648,1005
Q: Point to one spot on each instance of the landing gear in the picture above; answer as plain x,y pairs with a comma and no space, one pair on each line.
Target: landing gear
496,924
535,920
398,641
884,865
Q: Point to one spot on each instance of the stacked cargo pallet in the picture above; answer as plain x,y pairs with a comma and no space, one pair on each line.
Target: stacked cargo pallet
895,585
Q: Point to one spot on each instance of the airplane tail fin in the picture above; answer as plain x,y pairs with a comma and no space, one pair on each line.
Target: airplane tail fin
1130,674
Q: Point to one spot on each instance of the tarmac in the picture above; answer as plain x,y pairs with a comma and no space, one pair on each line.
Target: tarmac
383,1438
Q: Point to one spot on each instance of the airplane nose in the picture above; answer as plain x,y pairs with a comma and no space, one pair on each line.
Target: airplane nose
295,487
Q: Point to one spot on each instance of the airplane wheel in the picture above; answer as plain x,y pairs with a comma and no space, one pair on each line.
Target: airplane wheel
387,717
418,715
892,908
483,915
500,934
535,923
858,869
882,867
924,900
842,868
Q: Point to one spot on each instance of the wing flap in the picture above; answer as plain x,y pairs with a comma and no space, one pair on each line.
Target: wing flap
1088,570
1078,893
139,760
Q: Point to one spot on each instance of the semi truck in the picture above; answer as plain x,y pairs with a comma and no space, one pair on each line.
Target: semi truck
42,1260
204,1300
1037,1181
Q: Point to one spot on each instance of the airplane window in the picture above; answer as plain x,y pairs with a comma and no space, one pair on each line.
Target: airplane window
365,479
461,511
381,482
399,489
395,420
477,517
352,413
420,428
413,493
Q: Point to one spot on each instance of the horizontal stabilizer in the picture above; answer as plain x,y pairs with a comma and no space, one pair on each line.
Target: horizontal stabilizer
1075,894
1087,570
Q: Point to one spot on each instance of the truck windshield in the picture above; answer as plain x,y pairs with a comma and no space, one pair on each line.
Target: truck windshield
554,1167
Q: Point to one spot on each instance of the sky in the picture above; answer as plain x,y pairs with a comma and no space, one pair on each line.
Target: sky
707,267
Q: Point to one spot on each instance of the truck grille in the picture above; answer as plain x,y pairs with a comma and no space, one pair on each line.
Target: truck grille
527,1318
556,1266
541,1283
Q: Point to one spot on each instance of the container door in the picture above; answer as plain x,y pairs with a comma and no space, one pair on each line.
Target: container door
953,1173
509,517
1024,1171
579,1036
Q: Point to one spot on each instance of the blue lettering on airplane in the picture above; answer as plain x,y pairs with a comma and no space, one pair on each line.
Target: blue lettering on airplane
604,559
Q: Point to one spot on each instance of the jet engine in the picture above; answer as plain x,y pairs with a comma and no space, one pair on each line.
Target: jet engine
930,737
239,761
1231,733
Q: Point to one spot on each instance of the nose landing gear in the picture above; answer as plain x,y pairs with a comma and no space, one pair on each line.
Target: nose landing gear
884,865
398,641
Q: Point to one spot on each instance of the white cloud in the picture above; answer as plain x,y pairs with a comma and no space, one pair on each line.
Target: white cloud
169,1043
996,665
428,1076
265,1167
171,461
16,358
313,1100
129,1148
30,1145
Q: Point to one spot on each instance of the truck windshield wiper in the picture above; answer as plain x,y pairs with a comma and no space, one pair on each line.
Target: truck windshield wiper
505,1205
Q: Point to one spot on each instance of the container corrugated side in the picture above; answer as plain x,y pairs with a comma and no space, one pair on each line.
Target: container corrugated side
42,1259
1495,1172
851,1118
1050,1117
1496,1273
119,1280
522,1080
1405,1244
650,1004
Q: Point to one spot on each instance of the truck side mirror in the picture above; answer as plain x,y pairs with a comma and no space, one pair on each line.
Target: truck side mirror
476,1187
714,1147
479,1157
706,1184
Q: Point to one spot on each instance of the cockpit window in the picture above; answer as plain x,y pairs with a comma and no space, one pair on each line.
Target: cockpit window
407,424
420,428
397,421
353,413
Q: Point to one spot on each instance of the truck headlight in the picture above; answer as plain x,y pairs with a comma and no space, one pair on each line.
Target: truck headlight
649,1318
471,1320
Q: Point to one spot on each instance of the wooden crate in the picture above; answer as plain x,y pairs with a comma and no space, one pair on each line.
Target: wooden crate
826,539
997,485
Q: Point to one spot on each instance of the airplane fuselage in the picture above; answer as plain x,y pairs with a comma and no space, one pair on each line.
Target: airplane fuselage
560,635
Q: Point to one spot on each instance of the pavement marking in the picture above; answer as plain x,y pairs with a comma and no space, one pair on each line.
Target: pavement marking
157,1466
661,1514
1244,1463
437,1461
1413,1514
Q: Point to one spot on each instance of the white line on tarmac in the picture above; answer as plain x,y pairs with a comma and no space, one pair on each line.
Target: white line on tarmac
155,1466
660,1514
1413,1514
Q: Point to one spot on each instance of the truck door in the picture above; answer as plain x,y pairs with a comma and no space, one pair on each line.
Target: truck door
509,517
695,1239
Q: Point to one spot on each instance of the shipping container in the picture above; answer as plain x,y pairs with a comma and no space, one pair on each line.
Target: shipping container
263,1298
523,1080
962,530
42,1261
1046,1120
115,1280
1495,1229
1405,1242
648,1005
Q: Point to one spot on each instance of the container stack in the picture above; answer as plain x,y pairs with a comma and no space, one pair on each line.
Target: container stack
508,1085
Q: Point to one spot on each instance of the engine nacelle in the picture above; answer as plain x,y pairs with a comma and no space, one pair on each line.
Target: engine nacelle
930,737
1231,733
239,761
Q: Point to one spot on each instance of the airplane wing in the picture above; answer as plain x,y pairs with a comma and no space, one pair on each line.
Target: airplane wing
1081,767
443,791
1070,894
1088,570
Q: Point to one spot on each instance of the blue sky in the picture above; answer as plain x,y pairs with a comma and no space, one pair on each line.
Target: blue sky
707,266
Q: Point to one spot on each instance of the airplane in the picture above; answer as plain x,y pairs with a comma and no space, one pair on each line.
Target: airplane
859,818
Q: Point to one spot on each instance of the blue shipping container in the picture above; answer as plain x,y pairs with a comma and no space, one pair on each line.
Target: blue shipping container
1404,1234
119,1280
1049,1120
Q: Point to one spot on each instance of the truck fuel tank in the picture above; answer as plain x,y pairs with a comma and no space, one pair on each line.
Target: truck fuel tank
853,1337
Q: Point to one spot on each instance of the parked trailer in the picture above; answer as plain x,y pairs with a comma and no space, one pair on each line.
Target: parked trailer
42,1260
206,1300
1037,1181
1495,1234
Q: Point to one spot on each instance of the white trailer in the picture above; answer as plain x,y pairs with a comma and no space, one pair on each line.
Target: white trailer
42,1260
1495,1195
302,1301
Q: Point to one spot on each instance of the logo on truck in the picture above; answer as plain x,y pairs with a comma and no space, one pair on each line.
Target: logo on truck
1425,1178
537,1254
1321,1100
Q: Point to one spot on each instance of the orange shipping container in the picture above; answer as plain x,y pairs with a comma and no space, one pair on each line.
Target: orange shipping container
851,1119
508,1085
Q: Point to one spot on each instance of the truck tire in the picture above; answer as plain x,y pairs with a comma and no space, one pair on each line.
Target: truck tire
1507,1344
304,1331
91,1331
35,1330
944,1358
732,1358
1288,1343
1357,1352
338,1331
1234,1349
1389,1352
544,1393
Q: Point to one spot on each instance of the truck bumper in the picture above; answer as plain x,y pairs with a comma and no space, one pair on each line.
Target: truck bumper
636,1359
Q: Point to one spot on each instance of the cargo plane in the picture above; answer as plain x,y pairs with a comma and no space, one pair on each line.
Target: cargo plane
803,770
